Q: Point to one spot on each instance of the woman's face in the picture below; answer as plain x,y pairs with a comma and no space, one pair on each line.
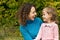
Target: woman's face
32,14
46,16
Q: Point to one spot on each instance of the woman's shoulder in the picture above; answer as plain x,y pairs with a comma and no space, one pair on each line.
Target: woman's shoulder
21,26
38,19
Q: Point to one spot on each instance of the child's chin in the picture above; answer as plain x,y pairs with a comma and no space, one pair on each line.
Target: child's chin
45,21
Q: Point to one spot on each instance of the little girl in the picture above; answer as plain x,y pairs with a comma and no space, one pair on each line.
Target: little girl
49,29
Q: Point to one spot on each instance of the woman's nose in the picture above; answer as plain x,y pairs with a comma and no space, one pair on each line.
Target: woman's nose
35,14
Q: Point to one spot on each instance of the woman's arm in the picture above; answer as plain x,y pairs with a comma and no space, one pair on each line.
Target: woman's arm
25,34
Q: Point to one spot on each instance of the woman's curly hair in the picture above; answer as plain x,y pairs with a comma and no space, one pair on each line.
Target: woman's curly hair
23,13
53,12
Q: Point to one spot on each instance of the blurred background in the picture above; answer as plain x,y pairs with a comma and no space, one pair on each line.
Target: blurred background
9,26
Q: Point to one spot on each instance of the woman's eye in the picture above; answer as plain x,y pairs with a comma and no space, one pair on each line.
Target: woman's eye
33,12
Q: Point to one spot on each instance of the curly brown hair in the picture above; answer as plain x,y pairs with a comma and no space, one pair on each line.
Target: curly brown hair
23,12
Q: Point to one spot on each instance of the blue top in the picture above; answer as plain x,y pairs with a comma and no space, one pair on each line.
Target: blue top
29,32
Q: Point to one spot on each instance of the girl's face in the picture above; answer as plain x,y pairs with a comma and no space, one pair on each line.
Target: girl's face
32,14
46,16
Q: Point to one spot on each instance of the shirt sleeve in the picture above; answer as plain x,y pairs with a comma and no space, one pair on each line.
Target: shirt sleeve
25,34
56,33
39,36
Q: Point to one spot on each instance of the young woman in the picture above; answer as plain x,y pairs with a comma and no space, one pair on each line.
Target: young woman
29,23
49,29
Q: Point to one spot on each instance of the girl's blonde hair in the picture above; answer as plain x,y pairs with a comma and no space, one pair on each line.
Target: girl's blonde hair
53,12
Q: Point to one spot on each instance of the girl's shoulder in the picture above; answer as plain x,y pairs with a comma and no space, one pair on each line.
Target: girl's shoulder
50,24
55,25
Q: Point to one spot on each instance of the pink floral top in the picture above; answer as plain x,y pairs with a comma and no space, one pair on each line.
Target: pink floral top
48,31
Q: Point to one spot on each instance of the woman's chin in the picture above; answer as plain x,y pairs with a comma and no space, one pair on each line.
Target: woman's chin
32,19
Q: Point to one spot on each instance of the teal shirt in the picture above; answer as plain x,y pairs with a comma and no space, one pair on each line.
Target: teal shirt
30,31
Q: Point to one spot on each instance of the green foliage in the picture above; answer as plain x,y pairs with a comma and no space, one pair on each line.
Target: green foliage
9,26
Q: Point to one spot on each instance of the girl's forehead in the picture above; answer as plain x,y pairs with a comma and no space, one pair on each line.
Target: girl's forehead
44,10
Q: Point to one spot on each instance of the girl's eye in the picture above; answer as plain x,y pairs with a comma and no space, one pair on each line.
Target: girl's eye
43,14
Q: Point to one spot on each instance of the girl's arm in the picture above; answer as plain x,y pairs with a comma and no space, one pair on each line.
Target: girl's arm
56,33
25,34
